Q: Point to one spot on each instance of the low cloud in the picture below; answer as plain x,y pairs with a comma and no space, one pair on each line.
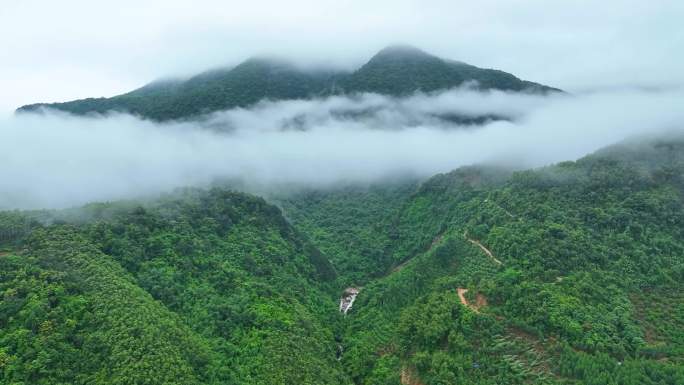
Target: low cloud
56,160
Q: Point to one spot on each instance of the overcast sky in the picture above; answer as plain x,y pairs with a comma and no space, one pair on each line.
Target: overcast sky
61,50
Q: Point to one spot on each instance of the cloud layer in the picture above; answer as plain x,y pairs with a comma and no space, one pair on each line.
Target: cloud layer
56,160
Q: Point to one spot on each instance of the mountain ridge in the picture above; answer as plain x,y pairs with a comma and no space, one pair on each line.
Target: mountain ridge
396,70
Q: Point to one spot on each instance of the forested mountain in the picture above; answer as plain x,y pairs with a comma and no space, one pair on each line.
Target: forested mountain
350,224
243,85
568,274
401,70
396,71
200,288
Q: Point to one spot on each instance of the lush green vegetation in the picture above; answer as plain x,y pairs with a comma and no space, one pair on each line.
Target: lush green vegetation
588,288
393,71
244,85
402,70
202,288
348,224
569,274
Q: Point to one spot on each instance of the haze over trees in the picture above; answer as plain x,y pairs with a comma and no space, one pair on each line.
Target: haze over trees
565,274
214,287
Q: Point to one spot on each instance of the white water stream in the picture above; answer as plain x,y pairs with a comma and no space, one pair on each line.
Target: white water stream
348,298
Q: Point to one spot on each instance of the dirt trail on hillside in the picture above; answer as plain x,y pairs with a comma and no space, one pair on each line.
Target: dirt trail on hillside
480,300
500,207
401,265
434,243
481,246
408,377
461,295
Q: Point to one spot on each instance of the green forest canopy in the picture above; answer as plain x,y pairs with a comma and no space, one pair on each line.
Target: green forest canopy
583,284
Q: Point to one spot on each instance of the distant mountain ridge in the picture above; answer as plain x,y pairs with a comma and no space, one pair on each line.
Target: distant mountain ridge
396,71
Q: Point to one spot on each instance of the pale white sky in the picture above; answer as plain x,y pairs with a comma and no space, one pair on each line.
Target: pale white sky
62,50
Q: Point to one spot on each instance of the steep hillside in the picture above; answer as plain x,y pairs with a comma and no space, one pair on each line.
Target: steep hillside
566,274
72,315
350,224
243,85
202,288
401,70
396,71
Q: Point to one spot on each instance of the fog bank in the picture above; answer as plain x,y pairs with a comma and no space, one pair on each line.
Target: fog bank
56,160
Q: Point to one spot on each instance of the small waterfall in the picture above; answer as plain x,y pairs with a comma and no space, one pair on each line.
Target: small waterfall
347,299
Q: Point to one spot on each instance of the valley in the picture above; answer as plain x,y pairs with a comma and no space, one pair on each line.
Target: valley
218,287
293,201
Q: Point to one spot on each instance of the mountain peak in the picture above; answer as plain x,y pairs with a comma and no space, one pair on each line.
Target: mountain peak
401,51
267,63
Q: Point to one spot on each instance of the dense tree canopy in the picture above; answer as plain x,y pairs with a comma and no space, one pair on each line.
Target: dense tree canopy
568,269
568,274
198,288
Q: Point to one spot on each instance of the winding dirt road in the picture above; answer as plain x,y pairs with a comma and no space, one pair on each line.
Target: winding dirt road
481,246
480,300
461,295
434,243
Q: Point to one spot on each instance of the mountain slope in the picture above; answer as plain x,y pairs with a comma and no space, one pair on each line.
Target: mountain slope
67,318
350,224
401,70
566,272
241,86
198,288
394,71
